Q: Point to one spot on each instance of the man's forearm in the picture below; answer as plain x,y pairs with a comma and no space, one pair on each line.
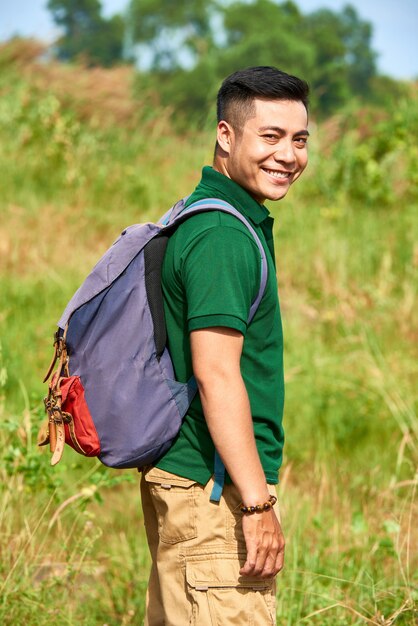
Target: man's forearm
227,412
228,416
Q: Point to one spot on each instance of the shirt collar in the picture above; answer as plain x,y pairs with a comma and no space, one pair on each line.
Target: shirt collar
235,194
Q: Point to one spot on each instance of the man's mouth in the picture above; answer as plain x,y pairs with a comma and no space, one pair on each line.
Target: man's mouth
281,175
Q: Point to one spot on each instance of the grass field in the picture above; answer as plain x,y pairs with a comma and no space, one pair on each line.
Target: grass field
80,158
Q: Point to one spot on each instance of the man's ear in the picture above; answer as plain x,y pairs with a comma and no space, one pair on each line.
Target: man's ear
224,136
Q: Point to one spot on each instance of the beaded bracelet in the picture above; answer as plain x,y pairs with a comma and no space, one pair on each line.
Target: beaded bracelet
259,508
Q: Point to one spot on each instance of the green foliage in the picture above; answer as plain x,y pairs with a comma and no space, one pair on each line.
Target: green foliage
74,16
361,59
42,125
194,46
46,137
282,44
373,162
187,48
170,29
87,34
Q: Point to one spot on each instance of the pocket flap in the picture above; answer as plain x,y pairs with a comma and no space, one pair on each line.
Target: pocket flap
206,571
161,477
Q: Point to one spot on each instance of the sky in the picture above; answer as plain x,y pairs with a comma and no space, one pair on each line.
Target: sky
395,26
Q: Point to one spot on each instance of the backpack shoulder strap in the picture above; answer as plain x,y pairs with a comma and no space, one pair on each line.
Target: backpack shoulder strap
180,214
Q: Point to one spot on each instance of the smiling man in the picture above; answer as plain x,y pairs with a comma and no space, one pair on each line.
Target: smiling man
216,562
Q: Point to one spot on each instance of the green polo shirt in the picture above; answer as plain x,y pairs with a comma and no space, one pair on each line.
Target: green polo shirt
210,277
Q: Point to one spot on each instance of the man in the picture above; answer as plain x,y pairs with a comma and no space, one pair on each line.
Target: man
214,563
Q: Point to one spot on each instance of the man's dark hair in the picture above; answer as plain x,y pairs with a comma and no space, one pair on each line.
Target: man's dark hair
235,102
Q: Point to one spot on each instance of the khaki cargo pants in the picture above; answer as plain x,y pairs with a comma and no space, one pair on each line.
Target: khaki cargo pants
197,548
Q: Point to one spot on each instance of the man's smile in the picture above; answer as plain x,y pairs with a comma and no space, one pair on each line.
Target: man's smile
279,174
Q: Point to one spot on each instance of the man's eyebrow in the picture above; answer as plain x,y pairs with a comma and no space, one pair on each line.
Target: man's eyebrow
281,131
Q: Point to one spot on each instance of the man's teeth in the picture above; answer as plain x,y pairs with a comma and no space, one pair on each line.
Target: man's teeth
278,174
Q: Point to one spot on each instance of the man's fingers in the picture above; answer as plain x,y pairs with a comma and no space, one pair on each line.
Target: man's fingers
262,555
248,567
269,569
256,558
280,557
273,563
264,566
262,561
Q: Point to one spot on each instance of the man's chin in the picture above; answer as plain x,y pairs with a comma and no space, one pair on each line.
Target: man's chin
278,194
273,195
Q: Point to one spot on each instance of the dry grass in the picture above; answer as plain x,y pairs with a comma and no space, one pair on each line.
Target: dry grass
100,96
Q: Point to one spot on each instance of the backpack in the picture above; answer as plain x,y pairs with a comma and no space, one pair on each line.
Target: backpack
114,393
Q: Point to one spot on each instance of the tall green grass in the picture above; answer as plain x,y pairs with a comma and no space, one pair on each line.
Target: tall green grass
72,546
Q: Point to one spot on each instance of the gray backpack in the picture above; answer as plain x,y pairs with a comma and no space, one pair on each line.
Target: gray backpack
114,394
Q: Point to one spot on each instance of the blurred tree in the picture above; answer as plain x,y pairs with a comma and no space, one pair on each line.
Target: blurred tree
75,16
86,32
361,59
198,42
174,33
222,38
344,62
329,73
249,42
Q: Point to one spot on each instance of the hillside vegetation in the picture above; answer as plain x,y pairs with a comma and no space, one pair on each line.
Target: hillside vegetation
80,158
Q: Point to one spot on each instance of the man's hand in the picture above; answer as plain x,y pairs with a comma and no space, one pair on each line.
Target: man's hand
265,544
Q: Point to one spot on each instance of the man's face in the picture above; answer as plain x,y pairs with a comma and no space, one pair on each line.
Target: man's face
270,152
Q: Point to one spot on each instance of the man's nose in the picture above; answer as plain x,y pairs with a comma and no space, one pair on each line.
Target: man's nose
285,152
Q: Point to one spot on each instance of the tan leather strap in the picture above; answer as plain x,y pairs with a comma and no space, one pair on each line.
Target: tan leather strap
61,369
60,441
60,351
52,427
50,435
56,421
56,418
53,361
43,435
54,433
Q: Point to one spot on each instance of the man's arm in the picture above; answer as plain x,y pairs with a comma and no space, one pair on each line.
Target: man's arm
216,354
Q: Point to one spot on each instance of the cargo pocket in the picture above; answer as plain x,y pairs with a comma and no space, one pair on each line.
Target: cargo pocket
220,596
174,501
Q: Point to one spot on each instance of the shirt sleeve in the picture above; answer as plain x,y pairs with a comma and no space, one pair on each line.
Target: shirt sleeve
221,273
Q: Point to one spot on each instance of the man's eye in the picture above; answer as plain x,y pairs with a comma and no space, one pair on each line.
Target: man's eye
270,137
302,141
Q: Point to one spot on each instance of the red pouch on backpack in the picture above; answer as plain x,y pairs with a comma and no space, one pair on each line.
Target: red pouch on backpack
80,431
69,418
